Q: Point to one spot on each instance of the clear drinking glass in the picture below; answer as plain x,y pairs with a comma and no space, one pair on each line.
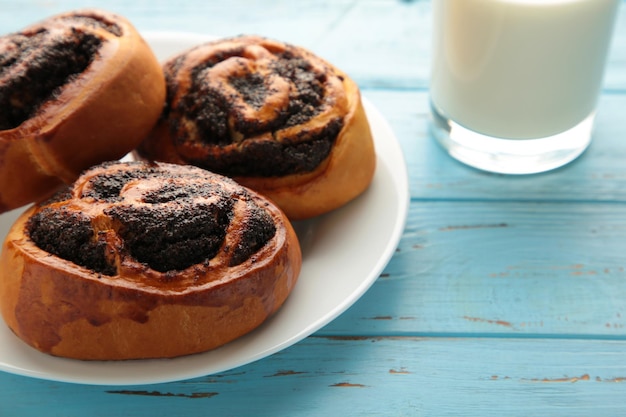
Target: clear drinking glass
515,83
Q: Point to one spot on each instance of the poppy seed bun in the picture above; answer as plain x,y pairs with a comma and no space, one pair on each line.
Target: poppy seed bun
76,89
141,260
273,116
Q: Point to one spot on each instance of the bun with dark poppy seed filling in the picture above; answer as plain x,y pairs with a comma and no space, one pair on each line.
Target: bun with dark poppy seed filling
273,116
76,89
138,260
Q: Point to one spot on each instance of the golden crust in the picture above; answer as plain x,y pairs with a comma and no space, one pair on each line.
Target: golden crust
67,310
344,174
100,115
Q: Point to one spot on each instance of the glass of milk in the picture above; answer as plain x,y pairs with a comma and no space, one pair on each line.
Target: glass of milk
515,83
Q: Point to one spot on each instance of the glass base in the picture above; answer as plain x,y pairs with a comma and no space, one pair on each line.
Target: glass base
510,156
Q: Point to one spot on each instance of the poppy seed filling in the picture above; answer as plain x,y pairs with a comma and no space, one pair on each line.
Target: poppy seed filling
175,226
69,235
35,67
215,116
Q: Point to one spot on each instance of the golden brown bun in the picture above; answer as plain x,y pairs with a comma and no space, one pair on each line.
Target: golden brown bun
273,116
99,113
142,260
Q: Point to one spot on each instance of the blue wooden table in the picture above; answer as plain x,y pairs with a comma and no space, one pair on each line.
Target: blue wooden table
505,297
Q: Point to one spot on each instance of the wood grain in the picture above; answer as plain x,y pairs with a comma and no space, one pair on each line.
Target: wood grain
388,376
500,267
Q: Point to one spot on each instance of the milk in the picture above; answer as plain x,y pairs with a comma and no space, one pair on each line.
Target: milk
519,69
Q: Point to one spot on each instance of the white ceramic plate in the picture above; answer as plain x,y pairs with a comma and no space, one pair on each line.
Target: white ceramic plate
344,252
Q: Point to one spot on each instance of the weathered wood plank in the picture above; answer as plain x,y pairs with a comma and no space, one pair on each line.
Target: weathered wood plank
362,377
489,268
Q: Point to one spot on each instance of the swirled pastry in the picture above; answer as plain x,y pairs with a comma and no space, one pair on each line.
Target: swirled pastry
76,89
140,260
273,116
